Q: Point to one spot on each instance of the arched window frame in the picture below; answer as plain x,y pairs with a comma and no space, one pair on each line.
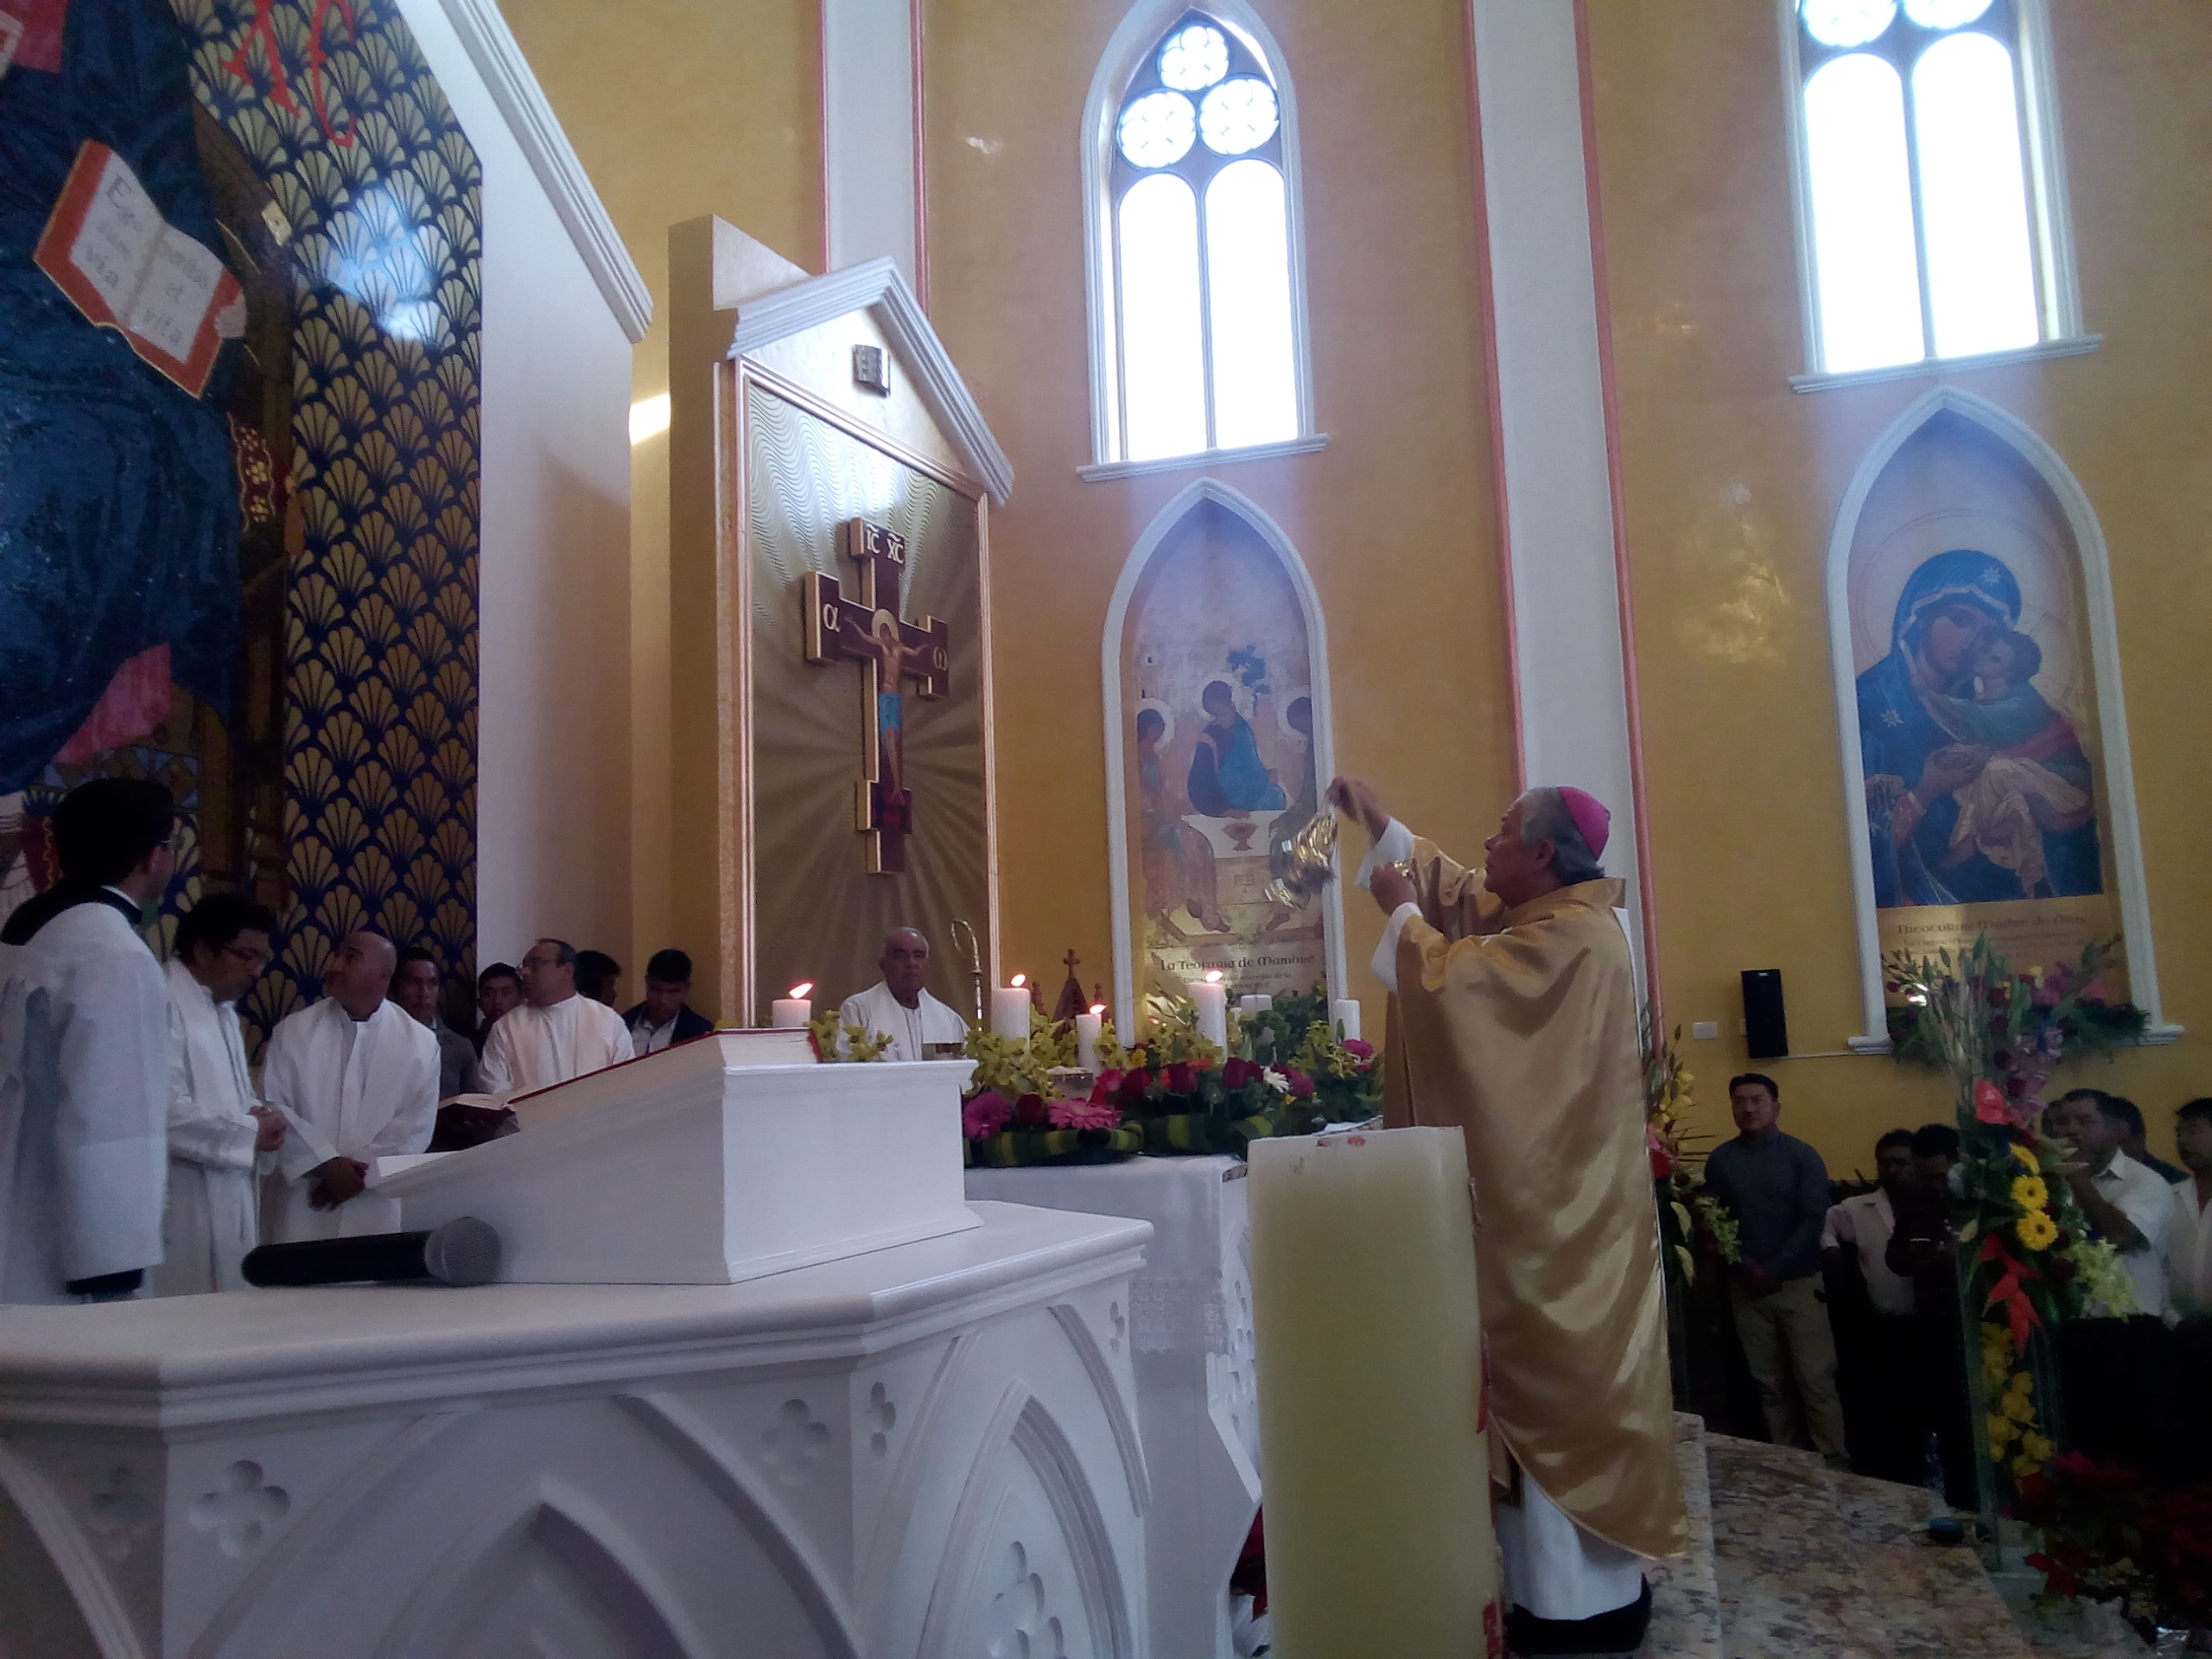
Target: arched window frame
2026,33
1127,55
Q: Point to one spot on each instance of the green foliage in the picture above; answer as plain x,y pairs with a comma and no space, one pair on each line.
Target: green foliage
834,1044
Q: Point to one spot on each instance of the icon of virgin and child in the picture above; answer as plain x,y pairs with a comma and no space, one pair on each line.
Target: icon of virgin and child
1977,789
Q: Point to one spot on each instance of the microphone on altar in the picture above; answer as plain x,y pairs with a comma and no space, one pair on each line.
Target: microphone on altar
464,1251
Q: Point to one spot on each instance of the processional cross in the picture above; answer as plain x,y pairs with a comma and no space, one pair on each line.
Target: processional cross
867,630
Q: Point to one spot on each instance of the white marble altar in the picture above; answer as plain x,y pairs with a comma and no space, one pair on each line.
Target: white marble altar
1191,1325
929,1450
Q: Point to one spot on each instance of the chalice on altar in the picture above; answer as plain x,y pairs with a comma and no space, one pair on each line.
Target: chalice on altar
1304,862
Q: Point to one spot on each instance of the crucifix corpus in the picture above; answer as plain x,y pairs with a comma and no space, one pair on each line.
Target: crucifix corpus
867,630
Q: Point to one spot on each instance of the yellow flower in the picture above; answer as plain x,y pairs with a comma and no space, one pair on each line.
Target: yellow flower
2019,1407
2025,1466
2000,1431
2029,1192
2021,1383
2023,1156
2037,1230
2034,1445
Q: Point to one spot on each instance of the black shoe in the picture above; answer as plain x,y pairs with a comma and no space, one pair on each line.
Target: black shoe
1618,1631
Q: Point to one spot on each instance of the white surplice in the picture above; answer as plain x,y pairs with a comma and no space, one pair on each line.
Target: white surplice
928,1022
84,1104
211,1222
535,1048
362,1089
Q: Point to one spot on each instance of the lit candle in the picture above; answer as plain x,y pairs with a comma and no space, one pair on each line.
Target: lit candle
1249,1006
1344,1013
1010,1009
795,1009
1212,999
1379,1534
1087,1027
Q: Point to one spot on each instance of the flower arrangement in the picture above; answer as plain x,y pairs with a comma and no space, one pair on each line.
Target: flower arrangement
2109,1535
836,1045
1687,1209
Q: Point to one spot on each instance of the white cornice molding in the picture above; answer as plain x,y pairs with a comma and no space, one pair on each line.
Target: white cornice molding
492,47
878,289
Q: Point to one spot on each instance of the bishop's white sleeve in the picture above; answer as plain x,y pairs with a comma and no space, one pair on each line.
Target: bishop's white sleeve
1394,845
1385,965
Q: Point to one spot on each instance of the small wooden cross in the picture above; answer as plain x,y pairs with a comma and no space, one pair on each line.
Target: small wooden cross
868,630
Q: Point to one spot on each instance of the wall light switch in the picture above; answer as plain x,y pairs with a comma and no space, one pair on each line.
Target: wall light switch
1706,1029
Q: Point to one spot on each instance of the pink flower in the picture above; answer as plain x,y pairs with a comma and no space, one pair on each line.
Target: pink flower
1300,1085
1083,1114
1989,1102
1363,1051
985,1116
2094,991
1109,1085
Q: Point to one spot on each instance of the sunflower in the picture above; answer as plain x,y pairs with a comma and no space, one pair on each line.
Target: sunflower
2037,1230
2029,1192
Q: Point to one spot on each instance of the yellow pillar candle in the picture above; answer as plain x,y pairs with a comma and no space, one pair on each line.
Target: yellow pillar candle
1368,1359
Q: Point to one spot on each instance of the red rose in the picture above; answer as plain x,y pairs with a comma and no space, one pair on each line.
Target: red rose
1030,1111
1181,1078
1108,1085
1134,1085
1237,1072
1662,1165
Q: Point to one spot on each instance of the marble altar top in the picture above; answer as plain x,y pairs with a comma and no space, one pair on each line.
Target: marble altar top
191,1360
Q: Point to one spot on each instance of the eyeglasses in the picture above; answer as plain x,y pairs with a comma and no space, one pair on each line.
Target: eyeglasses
250,957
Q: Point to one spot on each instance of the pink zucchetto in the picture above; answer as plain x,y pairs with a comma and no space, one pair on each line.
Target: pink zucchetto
1589,817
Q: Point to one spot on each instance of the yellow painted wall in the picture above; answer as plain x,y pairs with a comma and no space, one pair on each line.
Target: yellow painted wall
1732,481
677,108
1393,519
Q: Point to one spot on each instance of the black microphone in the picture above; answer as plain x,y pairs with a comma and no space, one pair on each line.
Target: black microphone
465,1251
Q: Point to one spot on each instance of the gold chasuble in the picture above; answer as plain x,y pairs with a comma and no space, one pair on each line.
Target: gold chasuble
1520,1027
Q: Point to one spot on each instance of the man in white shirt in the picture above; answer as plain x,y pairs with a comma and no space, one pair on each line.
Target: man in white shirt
219,1129
2188,1251
1862,1225
555,1035
1855,1241
664,1018
84,1056
898,1007
356,1079
2124,1201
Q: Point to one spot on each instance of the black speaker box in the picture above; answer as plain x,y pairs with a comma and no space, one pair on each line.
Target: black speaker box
1765,1025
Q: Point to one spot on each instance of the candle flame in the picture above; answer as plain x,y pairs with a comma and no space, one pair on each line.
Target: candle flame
1017,982
1098,1007
799,991
1213,976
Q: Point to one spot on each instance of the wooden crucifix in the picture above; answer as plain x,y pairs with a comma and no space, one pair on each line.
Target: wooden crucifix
868,630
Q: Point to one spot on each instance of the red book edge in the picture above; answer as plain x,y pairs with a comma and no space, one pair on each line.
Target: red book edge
52,256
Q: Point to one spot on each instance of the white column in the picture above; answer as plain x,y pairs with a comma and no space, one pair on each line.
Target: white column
1556,481
870,131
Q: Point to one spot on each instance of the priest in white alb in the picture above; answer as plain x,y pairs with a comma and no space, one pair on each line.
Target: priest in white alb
219,1129
899,1007
356,1079
1513,1018
555,1035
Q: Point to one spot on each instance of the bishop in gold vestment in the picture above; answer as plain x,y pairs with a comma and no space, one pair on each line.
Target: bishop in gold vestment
1514,1020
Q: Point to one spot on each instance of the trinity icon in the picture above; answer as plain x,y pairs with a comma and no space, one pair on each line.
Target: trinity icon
868,630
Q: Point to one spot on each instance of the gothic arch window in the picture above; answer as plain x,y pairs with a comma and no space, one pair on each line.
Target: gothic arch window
1931,208
1197,301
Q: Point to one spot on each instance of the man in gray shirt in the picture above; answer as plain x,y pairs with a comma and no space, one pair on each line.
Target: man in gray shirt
1776,1188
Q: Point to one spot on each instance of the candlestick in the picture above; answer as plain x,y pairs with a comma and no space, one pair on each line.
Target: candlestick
1010,1009
1087,1027
1211,997
1379,1534
793,1010
1344,1013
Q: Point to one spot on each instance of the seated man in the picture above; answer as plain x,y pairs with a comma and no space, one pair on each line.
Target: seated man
664,1018
414,987
555,1035
898,1007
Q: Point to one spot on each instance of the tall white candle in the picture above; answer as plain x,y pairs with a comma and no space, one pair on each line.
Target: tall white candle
1379,1535
1212,999
1087,1027
793,1010
1010,1009
1343,1013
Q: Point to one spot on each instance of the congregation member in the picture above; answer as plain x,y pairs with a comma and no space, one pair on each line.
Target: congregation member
555,1035
2189,1246
85,1055
220,1134
2115,1369
666,1017
2135,1141
414,986
499,987
899,1006
599,976
1514,1002
1855,1242
1923,1250
356,1079
1777,1189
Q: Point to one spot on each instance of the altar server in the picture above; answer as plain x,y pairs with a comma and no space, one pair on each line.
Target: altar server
356,1079
555,1035
218,1127
898,1007
1514,1016
84,1056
